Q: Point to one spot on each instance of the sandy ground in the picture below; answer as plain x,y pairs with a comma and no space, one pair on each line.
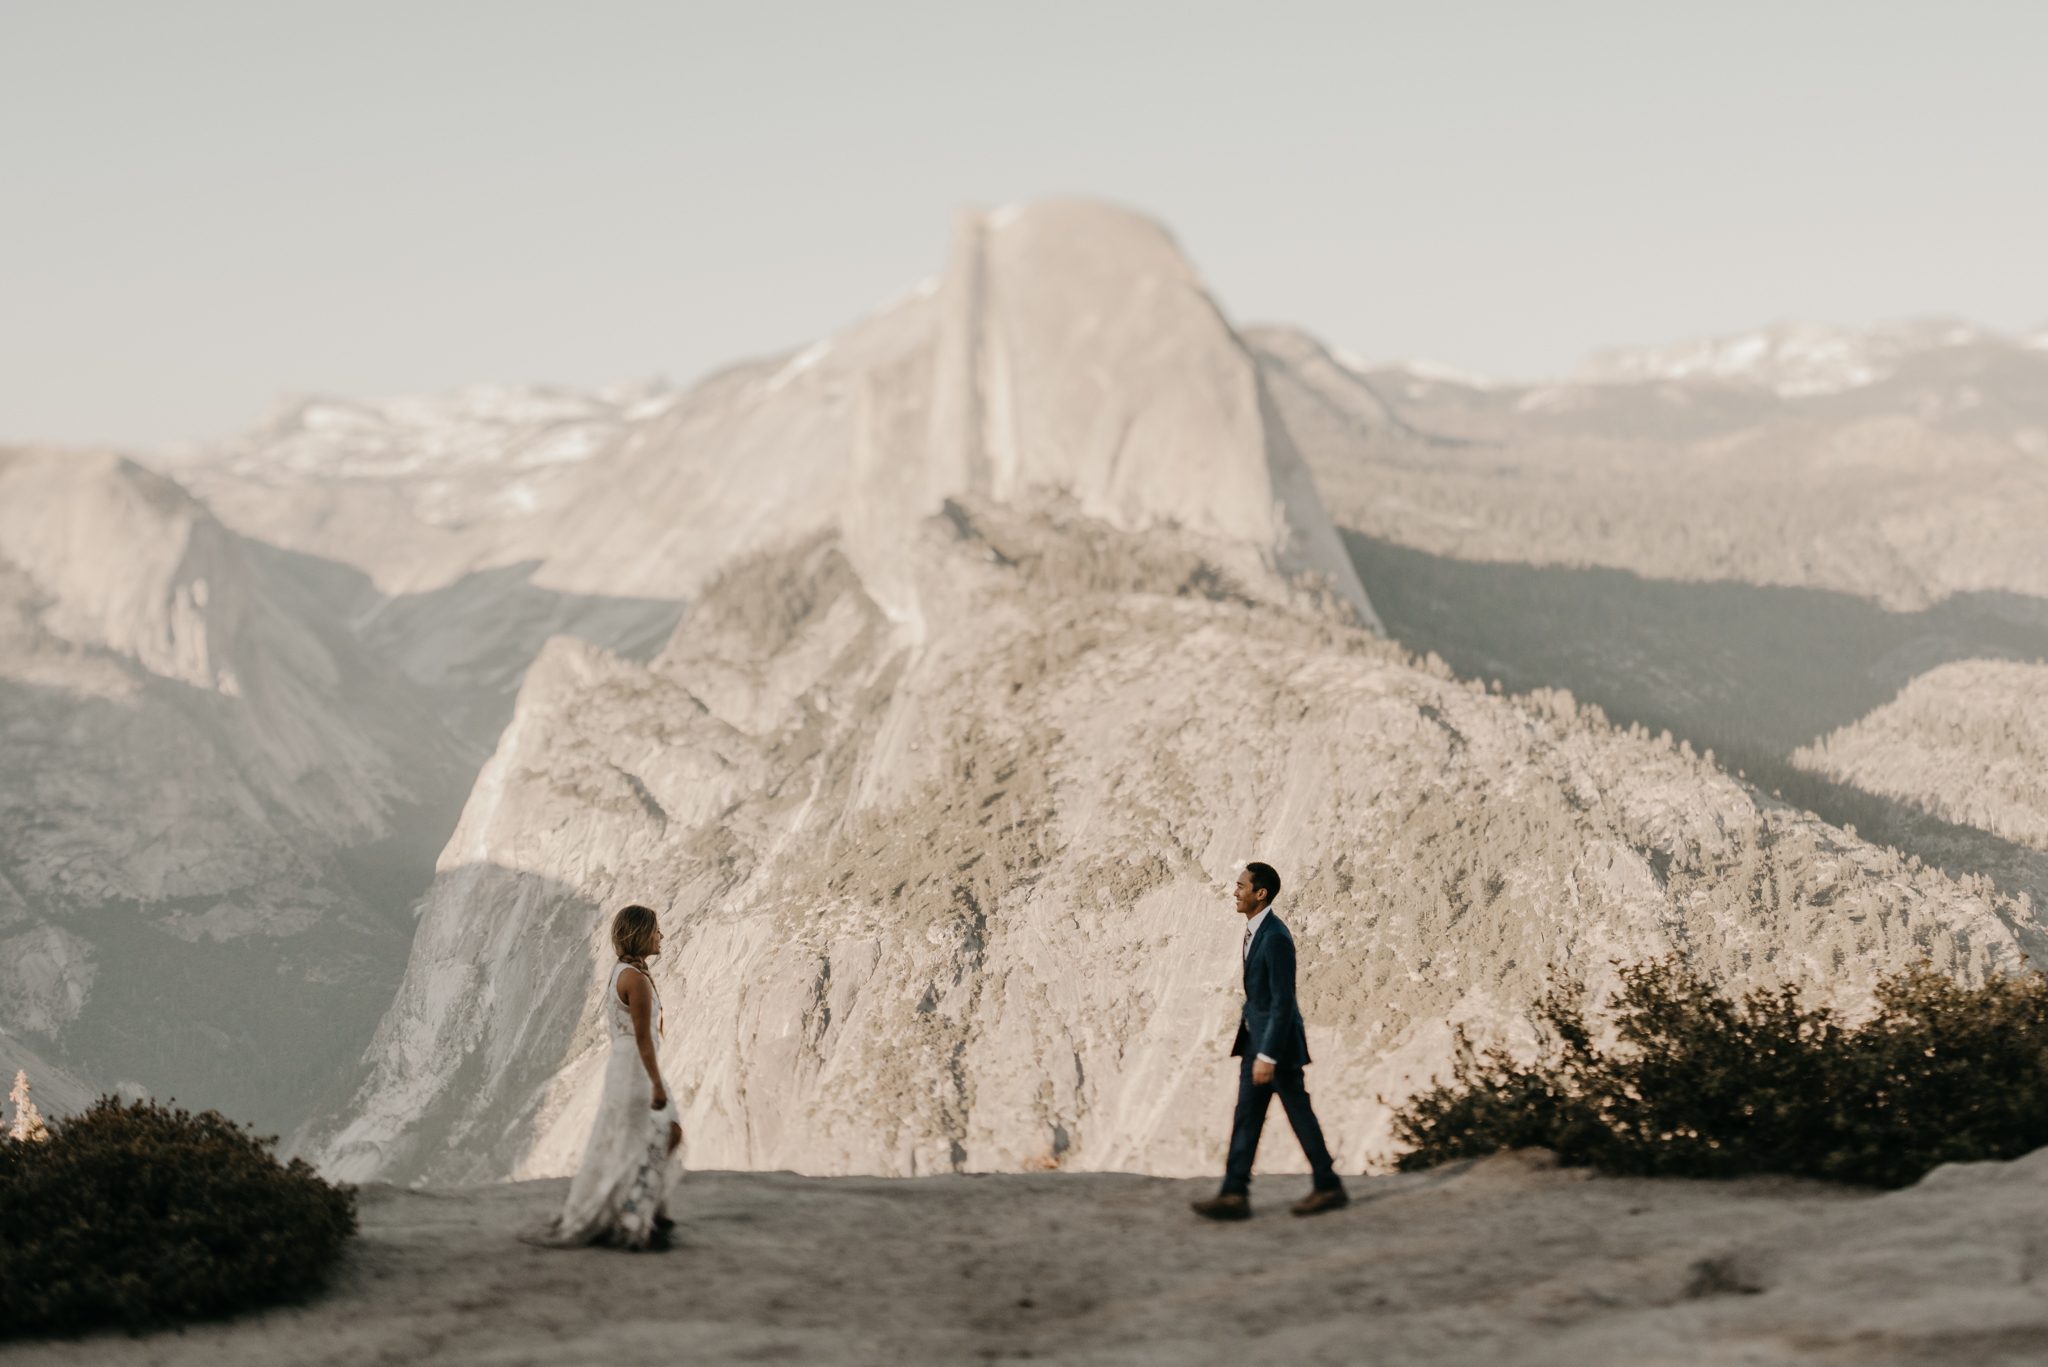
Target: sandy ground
1505,1261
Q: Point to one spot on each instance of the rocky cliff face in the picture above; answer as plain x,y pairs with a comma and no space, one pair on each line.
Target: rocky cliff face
215,807
962,905
1077,352
940,783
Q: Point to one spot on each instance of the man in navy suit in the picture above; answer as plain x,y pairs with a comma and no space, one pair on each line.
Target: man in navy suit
1274,1046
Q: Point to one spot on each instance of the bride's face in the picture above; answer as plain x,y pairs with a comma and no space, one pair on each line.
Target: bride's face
655,948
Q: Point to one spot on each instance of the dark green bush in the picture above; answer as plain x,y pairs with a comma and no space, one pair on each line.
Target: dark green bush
1702,1086
140,1215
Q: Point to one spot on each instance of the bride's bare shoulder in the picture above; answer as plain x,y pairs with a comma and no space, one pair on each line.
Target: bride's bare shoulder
630,979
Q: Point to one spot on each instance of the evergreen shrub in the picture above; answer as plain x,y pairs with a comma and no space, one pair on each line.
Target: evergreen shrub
1699,1085
141,1215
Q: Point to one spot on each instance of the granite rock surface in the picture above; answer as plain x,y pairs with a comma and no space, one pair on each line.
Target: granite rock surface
940,794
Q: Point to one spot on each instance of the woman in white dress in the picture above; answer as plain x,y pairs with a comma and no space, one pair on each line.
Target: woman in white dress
620,1192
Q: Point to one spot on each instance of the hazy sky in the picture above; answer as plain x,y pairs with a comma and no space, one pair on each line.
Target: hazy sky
205,206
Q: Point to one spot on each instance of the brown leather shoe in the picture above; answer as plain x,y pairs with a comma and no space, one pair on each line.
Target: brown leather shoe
1316,1202
1222,1208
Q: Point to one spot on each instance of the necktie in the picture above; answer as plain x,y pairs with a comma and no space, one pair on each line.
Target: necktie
1246,947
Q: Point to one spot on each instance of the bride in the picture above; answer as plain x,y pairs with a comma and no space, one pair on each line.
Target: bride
620,1193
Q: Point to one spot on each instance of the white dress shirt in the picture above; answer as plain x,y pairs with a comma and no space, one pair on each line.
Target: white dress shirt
1251,928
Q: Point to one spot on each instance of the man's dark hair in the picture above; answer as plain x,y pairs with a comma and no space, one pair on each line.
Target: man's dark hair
1266,878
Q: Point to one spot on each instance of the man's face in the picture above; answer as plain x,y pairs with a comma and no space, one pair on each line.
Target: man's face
1249,897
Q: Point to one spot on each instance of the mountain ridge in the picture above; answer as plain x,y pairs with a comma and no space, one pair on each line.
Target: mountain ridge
935,677
940,799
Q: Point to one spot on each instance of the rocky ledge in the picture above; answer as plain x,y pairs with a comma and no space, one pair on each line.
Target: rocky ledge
1510,1260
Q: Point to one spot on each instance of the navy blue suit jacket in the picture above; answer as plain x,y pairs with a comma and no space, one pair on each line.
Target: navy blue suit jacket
1271,1024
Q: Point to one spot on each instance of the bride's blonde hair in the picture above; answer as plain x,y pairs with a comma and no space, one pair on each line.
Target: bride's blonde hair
633,935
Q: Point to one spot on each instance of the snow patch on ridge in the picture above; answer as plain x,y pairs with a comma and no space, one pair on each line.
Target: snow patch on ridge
1794,360
476,427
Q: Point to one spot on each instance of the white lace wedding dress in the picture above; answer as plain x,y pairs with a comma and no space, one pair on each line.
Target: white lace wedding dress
623,1183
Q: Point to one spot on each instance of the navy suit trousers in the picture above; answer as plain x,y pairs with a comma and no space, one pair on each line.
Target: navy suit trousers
1252,1101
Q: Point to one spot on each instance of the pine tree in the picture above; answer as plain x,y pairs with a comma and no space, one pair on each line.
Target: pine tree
28,1121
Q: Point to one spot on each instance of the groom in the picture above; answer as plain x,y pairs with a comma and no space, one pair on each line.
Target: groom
1274,1047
